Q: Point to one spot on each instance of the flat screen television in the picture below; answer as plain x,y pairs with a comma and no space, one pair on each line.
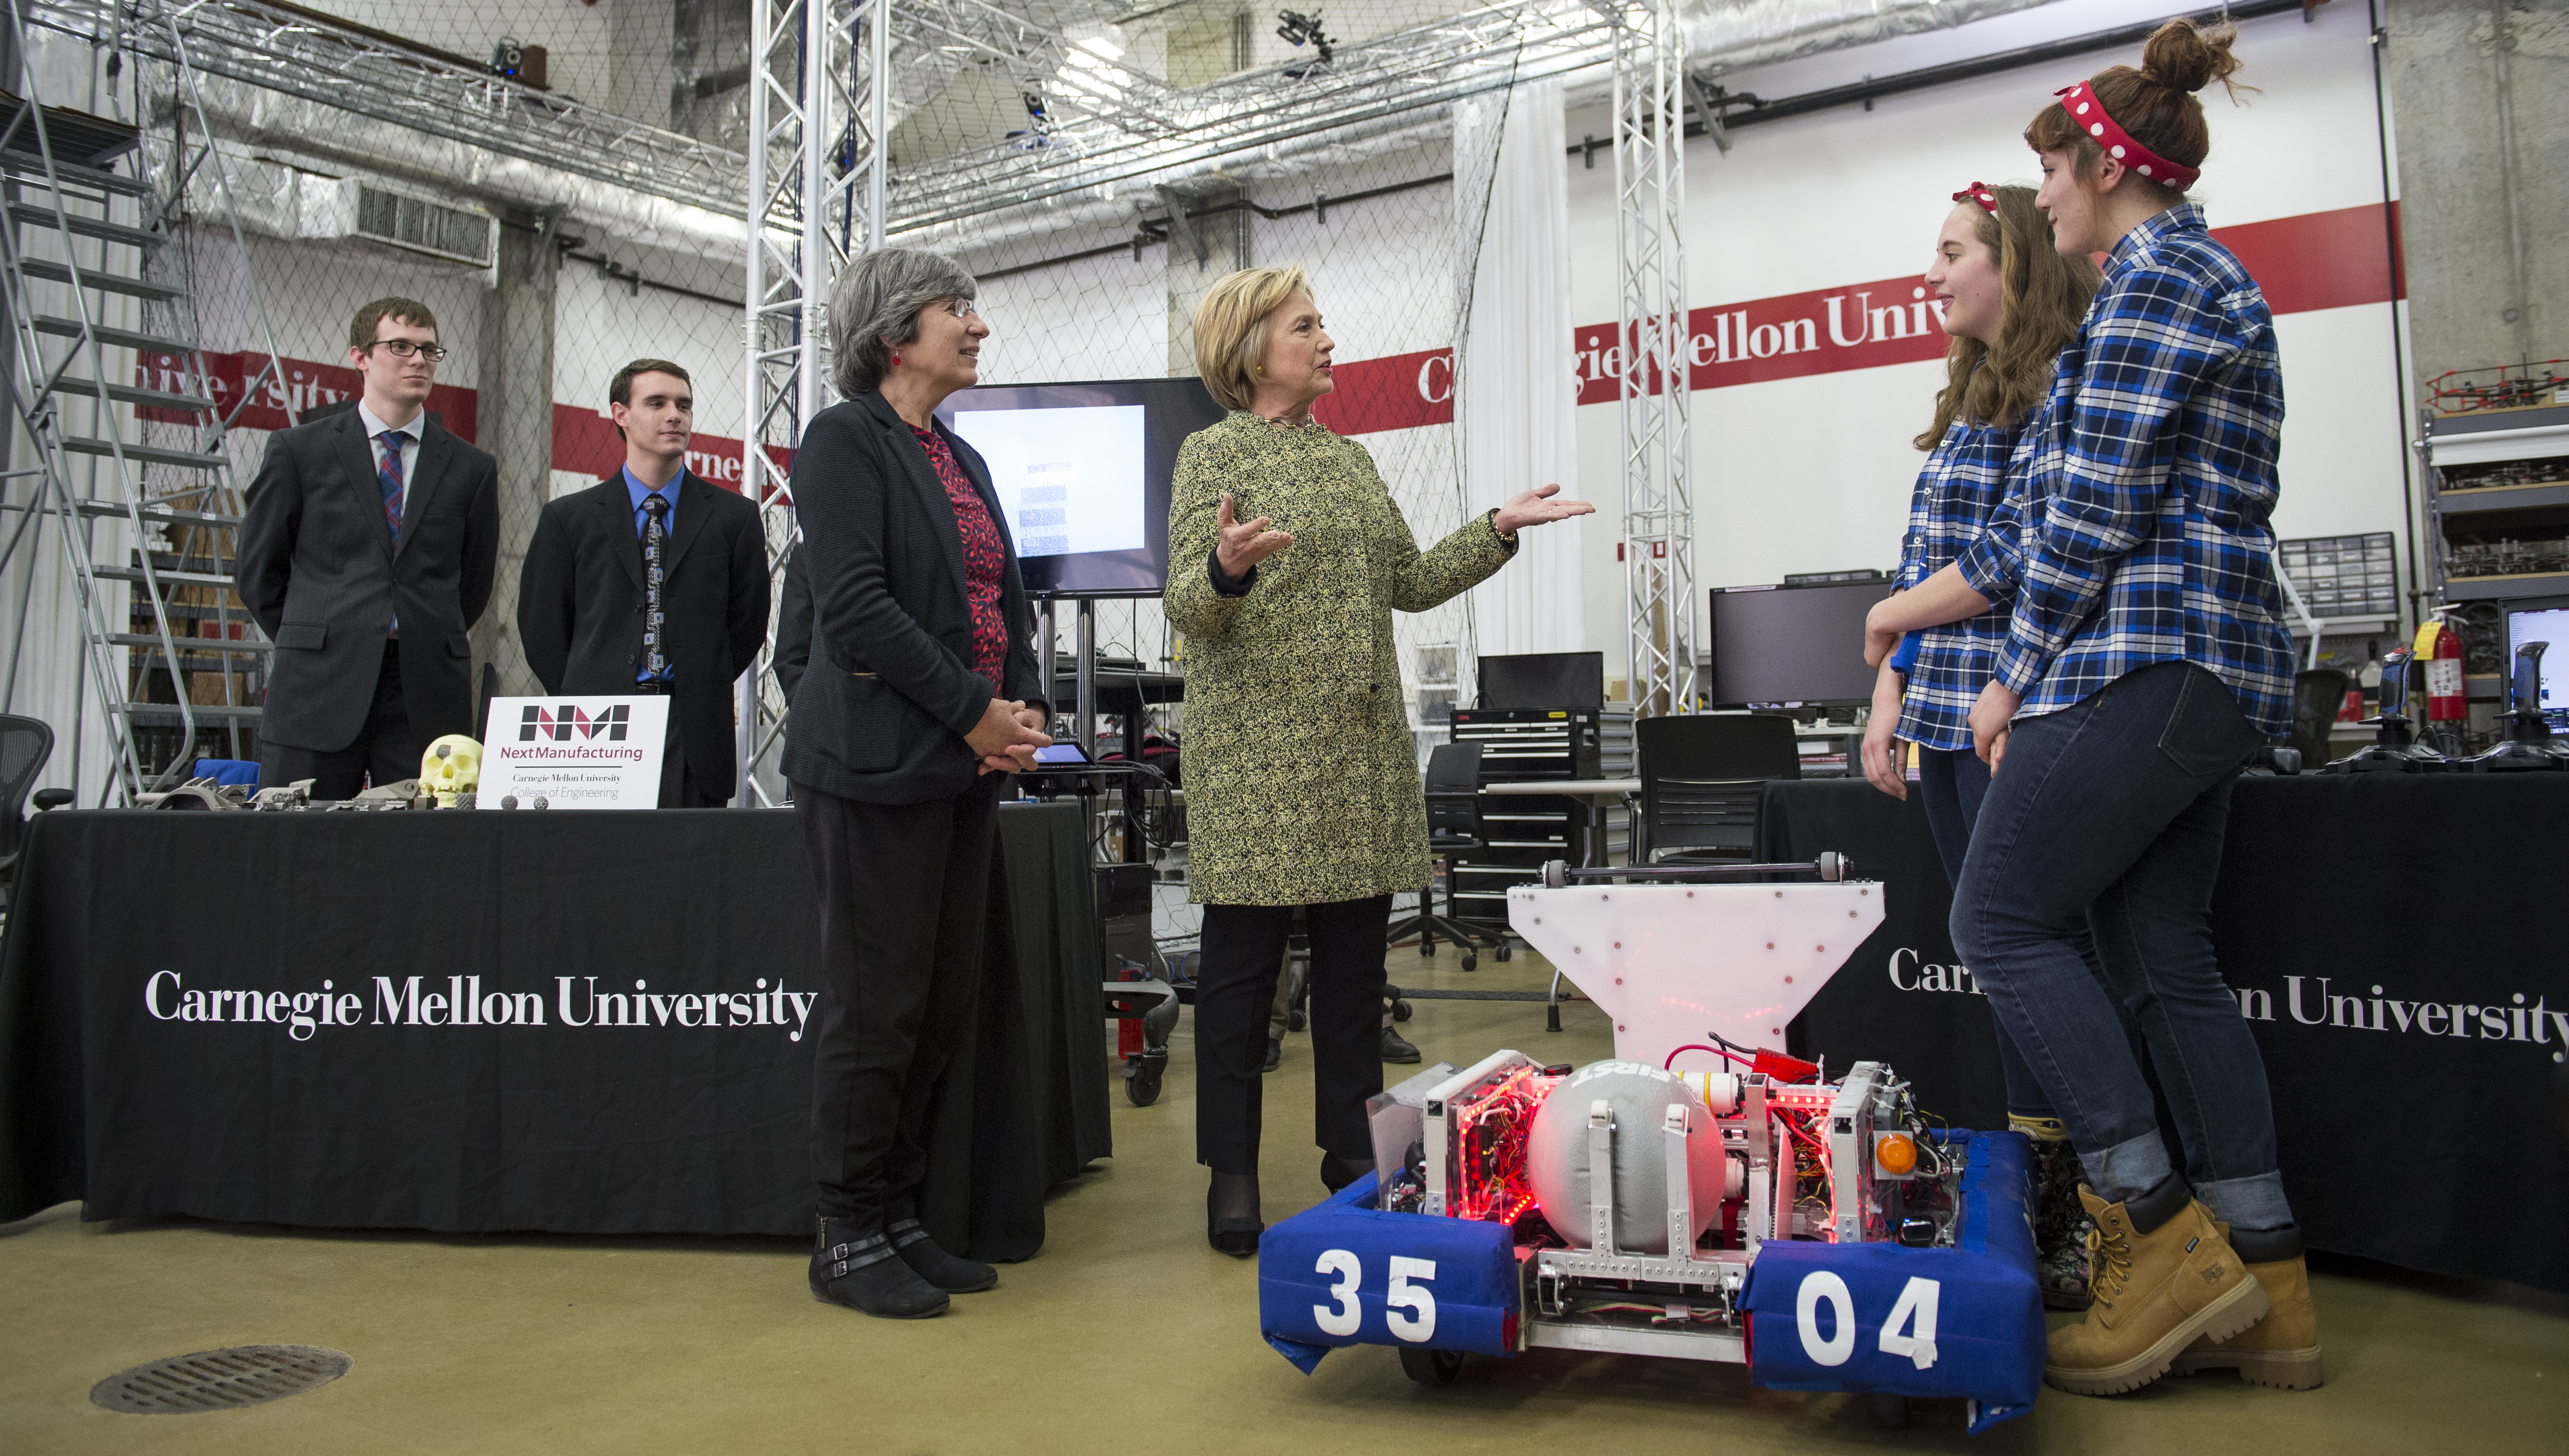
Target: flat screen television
1082,475
1543,680
2547,622
1790,644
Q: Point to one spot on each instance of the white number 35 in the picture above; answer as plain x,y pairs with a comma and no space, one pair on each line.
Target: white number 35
1343,1316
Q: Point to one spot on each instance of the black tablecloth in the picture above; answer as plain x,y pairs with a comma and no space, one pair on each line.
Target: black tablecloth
2402,1138
131,1078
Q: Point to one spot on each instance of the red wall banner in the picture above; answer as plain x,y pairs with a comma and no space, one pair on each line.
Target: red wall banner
2312,261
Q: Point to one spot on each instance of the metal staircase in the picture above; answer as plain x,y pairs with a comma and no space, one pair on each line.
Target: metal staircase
132,482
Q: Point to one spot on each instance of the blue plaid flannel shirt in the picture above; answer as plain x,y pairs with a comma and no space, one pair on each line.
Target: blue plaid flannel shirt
1956,493
2139,533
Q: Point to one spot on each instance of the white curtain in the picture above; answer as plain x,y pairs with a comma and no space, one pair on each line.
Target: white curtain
1515,389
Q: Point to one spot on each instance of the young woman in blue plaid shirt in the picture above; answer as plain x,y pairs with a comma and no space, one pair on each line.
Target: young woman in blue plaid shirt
2145,660
2010,301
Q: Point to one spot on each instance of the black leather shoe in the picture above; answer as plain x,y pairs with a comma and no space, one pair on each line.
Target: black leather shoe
863,1273
1396,1049
1275,1055
951,1273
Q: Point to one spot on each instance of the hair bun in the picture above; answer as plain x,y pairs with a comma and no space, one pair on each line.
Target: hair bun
2183,56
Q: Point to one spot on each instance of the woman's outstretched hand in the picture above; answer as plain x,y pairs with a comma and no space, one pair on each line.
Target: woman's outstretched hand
1243,546
1536,506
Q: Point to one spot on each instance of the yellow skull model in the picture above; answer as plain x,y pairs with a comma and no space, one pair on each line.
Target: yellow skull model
452,766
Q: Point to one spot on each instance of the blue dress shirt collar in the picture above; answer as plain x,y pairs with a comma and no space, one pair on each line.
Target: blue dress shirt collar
635,491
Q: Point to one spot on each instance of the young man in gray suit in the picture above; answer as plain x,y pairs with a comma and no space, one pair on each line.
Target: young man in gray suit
366,554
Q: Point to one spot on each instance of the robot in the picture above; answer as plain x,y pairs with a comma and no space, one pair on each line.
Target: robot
1699,1195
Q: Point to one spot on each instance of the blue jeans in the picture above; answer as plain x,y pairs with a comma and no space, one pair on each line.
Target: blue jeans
2113,811
1951,784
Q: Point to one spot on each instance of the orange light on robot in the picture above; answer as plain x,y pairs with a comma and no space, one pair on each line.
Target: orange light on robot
1896,1152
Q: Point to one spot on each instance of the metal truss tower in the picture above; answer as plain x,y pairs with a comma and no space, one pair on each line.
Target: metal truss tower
1655,395
817,181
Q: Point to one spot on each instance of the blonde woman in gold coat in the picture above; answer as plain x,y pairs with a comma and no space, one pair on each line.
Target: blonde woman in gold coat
1287,559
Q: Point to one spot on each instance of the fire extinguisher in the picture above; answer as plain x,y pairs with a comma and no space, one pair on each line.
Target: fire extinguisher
2440,648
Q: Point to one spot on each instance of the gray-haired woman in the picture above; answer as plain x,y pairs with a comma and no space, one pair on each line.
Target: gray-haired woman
920,694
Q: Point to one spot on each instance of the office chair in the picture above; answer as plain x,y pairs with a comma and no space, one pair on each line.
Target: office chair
1453,827
2319,695
25,745
1703,776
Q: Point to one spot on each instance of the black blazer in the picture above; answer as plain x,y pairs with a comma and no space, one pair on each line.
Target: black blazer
793,624
881,714
320,572
580,608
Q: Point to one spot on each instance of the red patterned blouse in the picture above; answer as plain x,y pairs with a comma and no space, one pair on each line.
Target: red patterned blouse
983,559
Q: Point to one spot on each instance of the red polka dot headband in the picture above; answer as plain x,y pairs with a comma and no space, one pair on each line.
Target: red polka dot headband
2090,114
1980,192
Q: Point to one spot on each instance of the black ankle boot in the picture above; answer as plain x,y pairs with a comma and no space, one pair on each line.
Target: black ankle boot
951,1273
863,1272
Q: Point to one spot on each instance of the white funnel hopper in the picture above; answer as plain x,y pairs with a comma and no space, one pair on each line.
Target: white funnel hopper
1671,963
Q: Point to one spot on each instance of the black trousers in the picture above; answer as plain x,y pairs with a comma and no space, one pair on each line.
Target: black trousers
905,893
677,780
1243,950
387,749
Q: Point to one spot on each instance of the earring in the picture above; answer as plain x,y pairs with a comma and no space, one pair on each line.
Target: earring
896,361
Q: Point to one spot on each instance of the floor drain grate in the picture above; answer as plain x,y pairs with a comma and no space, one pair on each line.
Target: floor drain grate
223,1380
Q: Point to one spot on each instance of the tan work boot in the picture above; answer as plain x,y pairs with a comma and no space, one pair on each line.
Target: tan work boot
2281,1350
2155,1292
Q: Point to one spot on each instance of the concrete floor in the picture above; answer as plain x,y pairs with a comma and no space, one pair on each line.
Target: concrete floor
1127,1335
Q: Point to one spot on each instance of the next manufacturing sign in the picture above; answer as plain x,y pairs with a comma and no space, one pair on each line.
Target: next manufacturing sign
574,753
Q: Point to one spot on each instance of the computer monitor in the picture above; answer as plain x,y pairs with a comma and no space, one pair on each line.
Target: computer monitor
1543,680
1082,475
2549,623
1790,644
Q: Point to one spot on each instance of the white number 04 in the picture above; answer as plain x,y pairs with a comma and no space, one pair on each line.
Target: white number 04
1344,1314
1915,1310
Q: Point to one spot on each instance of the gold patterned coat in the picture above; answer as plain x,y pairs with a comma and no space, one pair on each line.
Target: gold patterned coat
1302,777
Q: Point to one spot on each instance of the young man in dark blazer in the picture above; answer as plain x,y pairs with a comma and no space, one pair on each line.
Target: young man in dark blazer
583,605
367,548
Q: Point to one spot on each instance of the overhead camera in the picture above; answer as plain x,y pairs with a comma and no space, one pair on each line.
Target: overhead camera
1037,133
513,60
1297,29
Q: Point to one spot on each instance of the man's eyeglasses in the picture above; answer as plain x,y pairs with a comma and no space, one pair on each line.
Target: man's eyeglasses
959,307
404,348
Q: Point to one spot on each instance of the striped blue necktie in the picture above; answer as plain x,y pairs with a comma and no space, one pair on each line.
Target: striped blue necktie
388,476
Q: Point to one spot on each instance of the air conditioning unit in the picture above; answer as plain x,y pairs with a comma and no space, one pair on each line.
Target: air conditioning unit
439,229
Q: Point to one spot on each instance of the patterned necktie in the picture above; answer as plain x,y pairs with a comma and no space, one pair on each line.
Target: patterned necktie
388,476
655,538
